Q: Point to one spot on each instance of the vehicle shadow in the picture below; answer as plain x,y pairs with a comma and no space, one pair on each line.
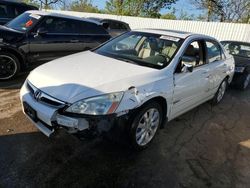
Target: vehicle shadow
15,83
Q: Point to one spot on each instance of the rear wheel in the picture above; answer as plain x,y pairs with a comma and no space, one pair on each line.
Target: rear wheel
220,92
9,66
244,81
145,125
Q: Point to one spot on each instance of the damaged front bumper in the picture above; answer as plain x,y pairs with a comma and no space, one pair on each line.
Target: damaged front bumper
48,118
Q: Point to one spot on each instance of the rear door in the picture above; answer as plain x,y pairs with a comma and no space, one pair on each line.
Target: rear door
217,64
61,39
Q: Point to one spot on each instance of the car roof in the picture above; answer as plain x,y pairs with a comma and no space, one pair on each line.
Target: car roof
45,13
173,33
235,41
106,19
19,3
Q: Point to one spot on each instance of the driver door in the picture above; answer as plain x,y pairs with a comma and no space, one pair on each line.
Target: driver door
190,84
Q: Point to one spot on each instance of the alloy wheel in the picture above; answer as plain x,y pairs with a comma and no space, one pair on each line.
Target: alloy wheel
8,67
148,125
221,91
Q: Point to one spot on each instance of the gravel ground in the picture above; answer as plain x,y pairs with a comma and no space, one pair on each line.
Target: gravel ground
206,147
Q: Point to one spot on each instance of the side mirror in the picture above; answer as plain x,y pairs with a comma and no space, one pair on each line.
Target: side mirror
188,67
41,31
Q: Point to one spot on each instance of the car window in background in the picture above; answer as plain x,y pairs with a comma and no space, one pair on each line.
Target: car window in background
91,28
59,25
213,52
238,49
151,50
24,22
4,11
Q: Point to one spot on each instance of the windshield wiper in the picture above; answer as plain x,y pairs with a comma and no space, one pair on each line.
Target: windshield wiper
126,60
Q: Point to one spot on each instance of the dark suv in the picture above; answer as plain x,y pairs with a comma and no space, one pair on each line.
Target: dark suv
10,9
36,37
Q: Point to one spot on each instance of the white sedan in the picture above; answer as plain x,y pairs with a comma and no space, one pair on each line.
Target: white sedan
128,87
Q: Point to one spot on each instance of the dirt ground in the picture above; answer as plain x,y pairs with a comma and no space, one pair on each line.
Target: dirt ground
207,147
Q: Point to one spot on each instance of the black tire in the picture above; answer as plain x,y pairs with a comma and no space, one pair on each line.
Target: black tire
9,71
244,81
136,120
217,99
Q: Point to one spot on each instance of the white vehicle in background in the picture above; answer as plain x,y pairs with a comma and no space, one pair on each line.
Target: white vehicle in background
129,86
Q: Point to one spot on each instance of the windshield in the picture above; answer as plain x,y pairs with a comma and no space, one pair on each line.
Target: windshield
145,49
238,49
24,22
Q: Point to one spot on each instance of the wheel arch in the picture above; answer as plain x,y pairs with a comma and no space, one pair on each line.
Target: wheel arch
19,56
162,102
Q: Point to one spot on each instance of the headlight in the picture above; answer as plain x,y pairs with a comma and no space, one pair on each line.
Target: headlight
239,69
100,105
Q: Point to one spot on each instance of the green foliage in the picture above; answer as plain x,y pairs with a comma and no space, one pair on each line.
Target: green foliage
31,2
169,16
145,8
83,6
225,10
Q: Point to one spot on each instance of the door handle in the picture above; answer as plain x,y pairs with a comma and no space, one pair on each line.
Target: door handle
74,41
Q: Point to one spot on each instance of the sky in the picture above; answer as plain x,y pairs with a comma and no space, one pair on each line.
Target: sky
180,5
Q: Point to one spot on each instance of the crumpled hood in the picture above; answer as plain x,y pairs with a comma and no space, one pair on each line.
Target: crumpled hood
88,74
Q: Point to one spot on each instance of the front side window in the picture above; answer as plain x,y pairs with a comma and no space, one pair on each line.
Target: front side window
213,52
24,22
193,56
59,25
144,49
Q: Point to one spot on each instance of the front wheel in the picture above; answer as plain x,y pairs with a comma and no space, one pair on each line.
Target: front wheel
145,125
220,92
9,66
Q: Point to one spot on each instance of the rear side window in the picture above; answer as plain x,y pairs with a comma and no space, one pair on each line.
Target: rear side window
214,52
59,25
91,28
3,11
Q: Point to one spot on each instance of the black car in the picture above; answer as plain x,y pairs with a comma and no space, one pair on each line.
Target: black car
36,37
241,54
114,27
11,9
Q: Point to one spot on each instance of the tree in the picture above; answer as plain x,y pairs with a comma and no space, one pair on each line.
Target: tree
31,2
170,15
83,6
224,10
146,8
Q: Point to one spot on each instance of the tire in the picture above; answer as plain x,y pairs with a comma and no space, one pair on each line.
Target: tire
9,66
220,92
144,128
244,81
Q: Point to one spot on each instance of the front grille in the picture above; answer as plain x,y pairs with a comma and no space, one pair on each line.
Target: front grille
42,97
